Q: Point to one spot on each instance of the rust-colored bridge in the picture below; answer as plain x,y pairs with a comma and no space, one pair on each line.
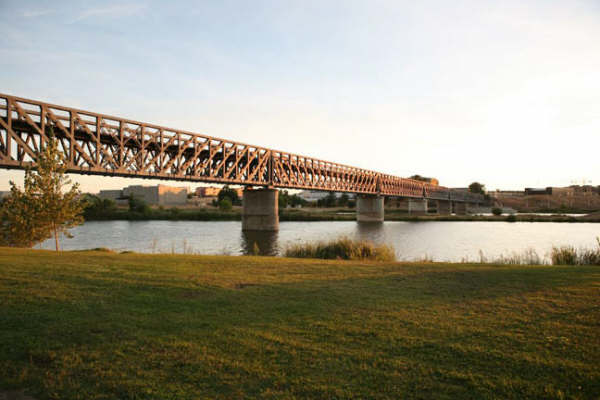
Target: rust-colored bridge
100,144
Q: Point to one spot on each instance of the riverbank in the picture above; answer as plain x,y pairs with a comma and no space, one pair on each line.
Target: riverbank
105,325
309,214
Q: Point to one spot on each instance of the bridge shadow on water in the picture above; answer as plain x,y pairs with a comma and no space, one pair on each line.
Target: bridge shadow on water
264,243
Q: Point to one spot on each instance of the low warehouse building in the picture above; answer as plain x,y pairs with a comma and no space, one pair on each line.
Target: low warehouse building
158,195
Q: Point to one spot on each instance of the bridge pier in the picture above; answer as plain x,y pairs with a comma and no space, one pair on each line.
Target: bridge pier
444,207
260,211
369,208
417,206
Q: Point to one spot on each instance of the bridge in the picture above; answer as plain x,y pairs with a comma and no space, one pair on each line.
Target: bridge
98,144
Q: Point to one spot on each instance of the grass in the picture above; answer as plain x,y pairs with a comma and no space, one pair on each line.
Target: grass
100,325
342,249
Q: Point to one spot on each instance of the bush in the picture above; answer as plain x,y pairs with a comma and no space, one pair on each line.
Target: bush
228,193
225,204
95,206
138,205
343,248
511,218
568,255
565,255
497,211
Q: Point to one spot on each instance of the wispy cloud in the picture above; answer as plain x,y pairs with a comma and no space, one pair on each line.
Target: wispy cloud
36,13
113,11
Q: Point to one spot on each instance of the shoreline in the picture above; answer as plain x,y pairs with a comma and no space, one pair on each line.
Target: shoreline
303,216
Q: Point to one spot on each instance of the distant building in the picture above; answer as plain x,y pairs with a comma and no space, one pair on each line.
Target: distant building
207,191
585,189
111,194
551,191
506,193
156,195
561,191
213,191
537,191
315,195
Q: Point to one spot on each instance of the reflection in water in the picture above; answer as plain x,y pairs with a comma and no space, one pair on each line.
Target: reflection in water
371,231
262,243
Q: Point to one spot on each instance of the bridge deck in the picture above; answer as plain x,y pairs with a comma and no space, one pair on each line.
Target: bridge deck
100,144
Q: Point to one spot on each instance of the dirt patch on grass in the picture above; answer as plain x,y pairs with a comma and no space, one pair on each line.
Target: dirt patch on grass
243,285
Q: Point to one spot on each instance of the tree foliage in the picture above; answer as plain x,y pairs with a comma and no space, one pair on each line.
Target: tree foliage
225,204
98,207
231,194
477,187
44,208
138,205
293,200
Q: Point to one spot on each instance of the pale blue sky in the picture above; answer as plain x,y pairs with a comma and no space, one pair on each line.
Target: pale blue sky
506,93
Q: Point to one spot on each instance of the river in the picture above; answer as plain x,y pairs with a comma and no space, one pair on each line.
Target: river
440,241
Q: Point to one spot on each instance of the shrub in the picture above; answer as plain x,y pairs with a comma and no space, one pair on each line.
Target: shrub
225,204
138,205
511,218
343,248
228,193
568,255
497,211
564,255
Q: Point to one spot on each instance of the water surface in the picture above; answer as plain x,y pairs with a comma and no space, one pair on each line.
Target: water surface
441,241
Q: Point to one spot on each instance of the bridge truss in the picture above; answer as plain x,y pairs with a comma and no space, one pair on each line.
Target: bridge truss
100,144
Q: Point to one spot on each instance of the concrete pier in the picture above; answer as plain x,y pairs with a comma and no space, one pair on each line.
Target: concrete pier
260,210
444,207
369,208
417,206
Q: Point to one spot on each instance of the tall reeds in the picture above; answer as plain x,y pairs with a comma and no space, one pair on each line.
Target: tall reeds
343,248
569,255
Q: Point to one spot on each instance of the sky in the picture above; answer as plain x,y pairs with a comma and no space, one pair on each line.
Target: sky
505,93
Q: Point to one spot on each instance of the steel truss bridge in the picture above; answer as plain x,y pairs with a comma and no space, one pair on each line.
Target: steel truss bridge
100,144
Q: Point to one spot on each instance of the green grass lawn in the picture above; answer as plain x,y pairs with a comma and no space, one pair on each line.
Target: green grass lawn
96,325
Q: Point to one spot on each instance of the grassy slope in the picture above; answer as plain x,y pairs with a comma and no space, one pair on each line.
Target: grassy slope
98,325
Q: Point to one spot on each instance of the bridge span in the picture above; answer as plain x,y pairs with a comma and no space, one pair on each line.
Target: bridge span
100,144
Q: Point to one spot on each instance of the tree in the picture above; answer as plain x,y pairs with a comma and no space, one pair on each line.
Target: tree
226,191
138,205
330,200
283,199
225,204
343,200
477,187
95,207
43,209
296,201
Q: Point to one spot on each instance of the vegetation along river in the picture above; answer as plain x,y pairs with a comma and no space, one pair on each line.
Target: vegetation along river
440,241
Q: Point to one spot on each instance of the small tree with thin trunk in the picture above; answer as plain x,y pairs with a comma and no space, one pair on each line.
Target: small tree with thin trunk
44,208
